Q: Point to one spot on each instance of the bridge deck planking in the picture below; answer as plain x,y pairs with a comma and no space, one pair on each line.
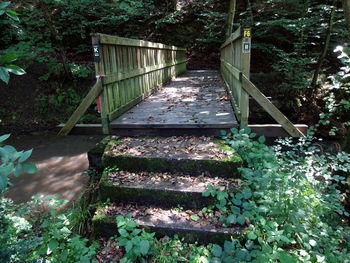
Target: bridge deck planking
196,99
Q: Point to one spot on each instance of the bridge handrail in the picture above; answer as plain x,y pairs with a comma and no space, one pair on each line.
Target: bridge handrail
233,62
235,69
132,70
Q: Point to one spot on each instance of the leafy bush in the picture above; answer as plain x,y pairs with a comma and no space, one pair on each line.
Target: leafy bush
13,163
290,202
138,243
6,60
59,243
30,236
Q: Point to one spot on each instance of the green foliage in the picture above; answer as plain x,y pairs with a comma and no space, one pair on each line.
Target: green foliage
60,244
6,61
13,163
55,107
144,247
289,201
337,94
174,250
16,240
138,243
29,234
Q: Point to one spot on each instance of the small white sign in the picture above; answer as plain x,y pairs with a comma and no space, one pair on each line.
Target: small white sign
246,47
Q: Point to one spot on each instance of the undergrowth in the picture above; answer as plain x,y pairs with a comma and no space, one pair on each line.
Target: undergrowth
290,202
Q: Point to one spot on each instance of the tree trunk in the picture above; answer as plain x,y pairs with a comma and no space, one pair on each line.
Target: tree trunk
56,39
346,7
230,18
325,47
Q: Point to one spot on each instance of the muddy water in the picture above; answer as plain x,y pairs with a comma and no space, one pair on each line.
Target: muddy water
62,162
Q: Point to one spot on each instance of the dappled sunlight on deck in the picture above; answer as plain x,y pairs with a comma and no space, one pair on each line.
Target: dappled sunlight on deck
194,99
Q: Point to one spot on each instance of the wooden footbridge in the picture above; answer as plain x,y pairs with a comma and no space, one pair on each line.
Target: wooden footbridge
143,88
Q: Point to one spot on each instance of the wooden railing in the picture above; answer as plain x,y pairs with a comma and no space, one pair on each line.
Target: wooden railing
132,70
233,63
127,71
235,69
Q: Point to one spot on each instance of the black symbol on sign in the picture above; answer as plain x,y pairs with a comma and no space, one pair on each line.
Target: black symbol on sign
96,49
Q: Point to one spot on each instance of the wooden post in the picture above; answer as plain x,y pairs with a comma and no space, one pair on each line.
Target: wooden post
99,69
245,69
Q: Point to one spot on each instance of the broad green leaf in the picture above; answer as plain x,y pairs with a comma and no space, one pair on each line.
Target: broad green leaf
284,257
25,156
247,193
8,59
251,235
123,232
3,5
262,139
10,149
235,209
144,247
195,217
15,69
241,220
18,170
30,168
229,247
5,157
128,246
4,137
12,14
217,250
52,246
6,169
231,219
4,75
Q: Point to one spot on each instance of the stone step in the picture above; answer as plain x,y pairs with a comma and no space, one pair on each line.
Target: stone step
192,225
185,154
161,189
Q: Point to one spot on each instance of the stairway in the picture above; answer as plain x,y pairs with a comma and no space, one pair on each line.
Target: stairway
160,181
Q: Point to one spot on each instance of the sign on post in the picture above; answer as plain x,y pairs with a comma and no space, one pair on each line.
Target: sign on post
96,50
247,43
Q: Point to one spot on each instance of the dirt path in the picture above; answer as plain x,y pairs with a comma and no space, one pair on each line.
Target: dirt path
61,161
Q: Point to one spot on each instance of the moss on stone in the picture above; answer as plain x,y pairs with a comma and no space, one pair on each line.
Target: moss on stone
226,168
105,226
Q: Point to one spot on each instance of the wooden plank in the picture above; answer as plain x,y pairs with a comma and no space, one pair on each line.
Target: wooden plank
275,113
234,36
117,112
232,98
82,108
234,71
118,76
121,41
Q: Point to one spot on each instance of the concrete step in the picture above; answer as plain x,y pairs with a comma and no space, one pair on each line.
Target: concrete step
166,131
161,189
192,225
185,154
